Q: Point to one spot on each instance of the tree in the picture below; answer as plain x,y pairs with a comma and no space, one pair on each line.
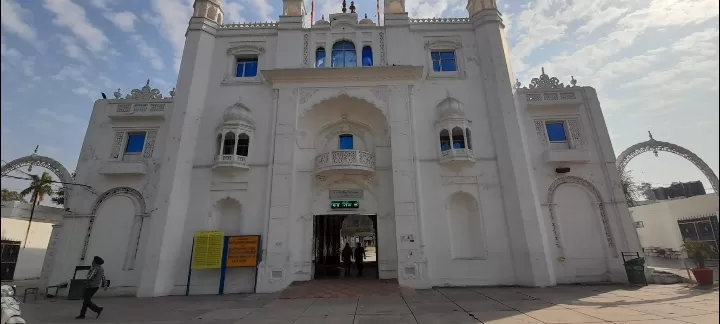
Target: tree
11,195
59,198
645,189
630,188
39,188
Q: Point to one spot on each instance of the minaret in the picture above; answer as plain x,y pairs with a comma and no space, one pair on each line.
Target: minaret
290,36
395,13
166,245
530,251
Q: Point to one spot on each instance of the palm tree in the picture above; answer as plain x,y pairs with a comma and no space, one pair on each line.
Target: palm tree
59,198
38,189
630,188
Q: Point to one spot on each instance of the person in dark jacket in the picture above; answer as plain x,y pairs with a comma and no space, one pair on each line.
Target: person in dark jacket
346,256
95,280
359,257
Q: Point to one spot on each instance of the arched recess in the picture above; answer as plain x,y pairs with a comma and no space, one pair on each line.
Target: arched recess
378,97
587,185
140,214
466,228
655,146
227,216
44,162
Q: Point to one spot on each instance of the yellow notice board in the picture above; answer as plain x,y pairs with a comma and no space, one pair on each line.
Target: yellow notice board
208,249
242,251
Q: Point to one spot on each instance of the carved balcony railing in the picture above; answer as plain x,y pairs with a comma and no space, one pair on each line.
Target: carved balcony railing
347,160
231,161
457,155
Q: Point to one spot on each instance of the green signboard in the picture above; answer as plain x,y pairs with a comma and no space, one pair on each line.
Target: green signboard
345,204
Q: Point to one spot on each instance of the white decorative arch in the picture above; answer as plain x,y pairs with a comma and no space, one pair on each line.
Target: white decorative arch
343,126
655,146
471,202
367,182
140,213
587,185
44,162
377,97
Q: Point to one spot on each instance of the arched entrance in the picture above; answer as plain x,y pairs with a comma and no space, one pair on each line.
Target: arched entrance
655,146
44,162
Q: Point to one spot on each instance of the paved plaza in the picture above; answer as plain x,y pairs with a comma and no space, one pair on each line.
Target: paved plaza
564,304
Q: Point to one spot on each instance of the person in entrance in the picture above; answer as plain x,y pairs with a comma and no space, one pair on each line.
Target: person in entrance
359,257
346,256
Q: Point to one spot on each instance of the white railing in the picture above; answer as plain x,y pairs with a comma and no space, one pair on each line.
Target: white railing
457,154
230,160
439,20
345,160
270,24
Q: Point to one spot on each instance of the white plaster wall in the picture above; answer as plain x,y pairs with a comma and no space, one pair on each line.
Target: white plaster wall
660,219
32,254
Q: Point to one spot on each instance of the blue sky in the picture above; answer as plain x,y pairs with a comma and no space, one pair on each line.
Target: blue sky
653,62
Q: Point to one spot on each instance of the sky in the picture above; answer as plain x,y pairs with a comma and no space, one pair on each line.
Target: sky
654,64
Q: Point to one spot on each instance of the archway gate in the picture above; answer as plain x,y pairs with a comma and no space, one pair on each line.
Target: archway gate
655,146
45,162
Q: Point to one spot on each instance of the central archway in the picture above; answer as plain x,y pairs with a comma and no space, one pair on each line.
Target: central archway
655,146
44,162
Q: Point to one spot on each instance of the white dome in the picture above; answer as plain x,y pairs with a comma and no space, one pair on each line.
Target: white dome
366,21
238,113
450,107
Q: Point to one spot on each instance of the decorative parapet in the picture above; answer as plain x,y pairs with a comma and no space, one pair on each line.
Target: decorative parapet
254,25
145,93
549,90
355,160
439,20
145,102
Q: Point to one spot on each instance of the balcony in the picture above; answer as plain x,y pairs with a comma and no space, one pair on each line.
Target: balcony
457,155
345,160
231,161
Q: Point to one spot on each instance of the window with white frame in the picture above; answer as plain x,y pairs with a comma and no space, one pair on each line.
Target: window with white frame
444,57
132,145
244,63
557,133
135,143
246,67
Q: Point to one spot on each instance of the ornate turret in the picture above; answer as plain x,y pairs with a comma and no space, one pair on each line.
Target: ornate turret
293,8
476,6
209,9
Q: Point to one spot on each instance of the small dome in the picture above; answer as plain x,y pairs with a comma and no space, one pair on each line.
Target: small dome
366,21
322,22
450,107
238,112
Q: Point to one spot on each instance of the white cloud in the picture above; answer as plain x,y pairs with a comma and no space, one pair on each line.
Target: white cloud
9,52
702,42
426,8
233,12
72,49
102,4
70,15
12,20
124,20
264,9
173,22
148,52
60,117
604,17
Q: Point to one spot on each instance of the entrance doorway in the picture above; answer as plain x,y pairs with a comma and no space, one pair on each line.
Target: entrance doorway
331,232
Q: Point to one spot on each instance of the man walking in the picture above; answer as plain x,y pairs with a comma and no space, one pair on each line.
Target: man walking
359,257
95,280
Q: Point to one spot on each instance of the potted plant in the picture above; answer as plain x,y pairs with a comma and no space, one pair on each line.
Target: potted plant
698,252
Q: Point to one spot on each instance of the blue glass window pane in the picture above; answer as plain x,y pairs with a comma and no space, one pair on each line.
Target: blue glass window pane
345,142
338,59
320,57
367,59
556,132
350,59
447,55
436,66
448,65
135,143
239,70
250,69
435,55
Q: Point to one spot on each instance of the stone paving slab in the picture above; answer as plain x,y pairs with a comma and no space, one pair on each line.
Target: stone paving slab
672,304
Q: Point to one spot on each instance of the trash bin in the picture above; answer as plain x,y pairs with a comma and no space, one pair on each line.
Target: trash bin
635,269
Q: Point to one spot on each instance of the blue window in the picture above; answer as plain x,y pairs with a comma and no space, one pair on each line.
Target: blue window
320,57
135,143
443,61
345,142
367,59
246,67
556,131
343,54
444,140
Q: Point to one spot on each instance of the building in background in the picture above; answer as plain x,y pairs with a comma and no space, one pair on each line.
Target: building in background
284,130
676,190
22,261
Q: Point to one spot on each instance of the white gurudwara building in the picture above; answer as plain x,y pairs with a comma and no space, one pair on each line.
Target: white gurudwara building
414,133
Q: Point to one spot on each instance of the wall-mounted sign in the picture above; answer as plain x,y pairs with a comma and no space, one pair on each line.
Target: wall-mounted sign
345,204
207,250
346,194
243,251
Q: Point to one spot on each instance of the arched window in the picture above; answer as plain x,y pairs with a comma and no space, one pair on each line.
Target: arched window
444,140
367,57
219,145
243,144
458,139
469,138
320,57
229,144
343,54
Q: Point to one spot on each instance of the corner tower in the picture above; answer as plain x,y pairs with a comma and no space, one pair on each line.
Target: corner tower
165,241
524,215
